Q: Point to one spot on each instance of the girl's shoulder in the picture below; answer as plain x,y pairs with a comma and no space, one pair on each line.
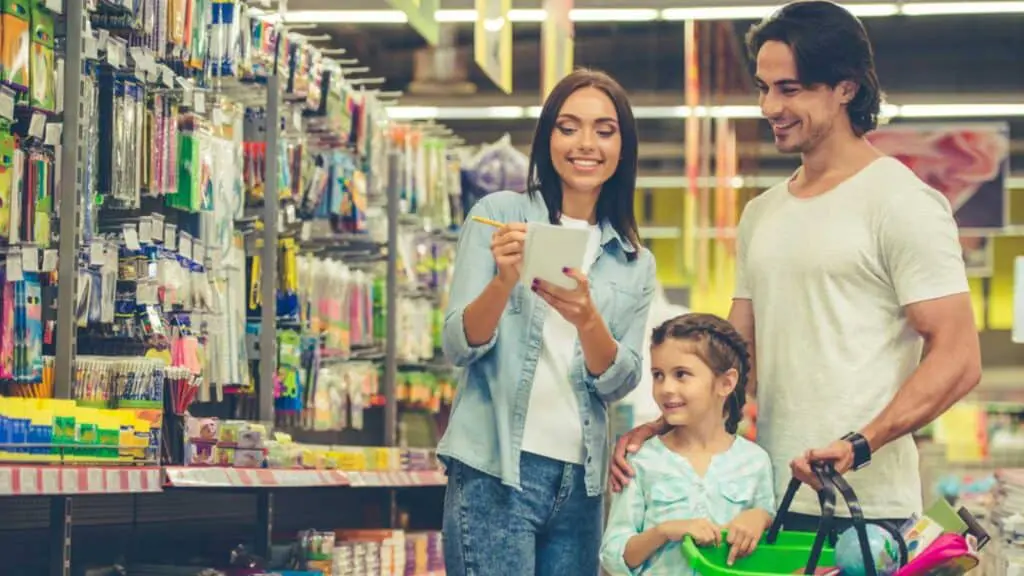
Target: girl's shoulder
749,451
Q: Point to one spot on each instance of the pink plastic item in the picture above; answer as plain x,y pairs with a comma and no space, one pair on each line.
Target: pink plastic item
948,555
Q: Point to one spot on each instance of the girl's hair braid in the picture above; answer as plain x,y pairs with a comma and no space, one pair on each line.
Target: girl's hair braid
720,346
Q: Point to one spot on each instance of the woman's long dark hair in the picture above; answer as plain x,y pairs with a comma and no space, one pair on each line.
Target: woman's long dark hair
615,203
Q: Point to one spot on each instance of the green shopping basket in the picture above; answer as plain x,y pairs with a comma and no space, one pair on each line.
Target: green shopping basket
790,552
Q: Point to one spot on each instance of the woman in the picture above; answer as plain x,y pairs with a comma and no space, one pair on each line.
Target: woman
526,446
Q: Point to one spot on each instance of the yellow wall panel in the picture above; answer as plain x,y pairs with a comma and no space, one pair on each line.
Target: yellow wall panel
1000,294
978,301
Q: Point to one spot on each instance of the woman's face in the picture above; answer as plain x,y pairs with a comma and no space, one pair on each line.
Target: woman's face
586,142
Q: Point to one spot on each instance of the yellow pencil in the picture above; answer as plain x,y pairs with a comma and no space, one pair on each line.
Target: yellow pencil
494,223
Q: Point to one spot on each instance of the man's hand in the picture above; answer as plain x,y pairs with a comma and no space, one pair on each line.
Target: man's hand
839,454
704,532
744,532
621,472
800,467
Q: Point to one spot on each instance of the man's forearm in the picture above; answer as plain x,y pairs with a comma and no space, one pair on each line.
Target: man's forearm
941,380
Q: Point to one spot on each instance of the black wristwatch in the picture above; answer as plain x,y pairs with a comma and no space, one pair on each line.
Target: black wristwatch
861,449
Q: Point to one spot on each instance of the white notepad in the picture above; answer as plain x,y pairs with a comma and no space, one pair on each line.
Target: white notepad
549,249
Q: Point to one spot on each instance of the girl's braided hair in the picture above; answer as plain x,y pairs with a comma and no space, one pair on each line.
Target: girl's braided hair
720,346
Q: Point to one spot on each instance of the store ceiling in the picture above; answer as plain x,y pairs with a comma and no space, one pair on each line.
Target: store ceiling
938,59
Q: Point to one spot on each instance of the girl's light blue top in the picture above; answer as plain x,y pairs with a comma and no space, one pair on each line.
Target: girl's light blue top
666,487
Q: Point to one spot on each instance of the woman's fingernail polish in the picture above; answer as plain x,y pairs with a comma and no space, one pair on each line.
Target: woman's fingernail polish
534,287
565,270
536,282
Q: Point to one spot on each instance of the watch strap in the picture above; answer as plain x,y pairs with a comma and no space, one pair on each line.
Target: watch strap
861,449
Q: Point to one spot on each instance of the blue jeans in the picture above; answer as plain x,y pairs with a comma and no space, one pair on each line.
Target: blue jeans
551,527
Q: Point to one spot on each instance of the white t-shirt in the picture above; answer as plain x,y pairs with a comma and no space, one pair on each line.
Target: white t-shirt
553,427
829,277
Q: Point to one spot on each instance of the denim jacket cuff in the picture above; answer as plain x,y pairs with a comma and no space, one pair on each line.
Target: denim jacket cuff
615,383
456,347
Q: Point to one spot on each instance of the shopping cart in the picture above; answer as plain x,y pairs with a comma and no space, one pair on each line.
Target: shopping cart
789,552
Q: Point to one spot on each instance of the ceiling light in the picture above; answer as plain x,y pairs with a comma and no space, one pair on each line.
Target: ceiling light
960,8
673,112
759,12
613,14
631,14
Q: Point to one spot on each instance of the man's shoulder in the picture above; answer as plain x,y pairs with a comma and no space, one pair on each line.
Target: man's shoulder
895,185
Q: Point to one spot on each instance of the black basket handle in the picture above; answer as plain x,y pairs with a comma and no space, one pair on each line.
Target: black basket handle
857,514
831,481
787,501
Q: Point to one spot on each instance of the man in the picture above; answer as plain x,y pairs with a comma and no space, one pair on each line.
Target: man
846,274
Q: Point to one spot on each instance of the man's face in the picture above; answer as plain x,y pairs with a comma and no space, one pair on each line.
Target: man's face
801,117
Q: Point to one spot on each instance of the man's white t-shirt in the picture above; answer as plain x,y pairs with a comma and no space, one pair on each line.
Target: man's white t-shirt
553,428
829,277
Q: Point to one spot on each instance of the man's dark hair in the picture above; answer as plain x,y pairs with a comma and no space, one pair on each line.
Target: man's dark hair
829,45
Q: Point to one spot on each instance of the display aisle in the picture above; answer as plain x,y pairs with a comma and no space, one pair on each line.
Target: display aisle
223,270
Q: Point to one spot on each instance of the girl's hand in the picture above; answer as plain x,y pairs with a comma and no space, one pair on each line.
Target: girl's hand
574,305
507,248
704,532
744,532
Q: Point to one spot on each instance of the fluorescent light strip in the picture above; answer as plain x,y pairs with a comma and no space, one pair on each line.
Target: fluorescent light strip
711,12
614,14
961,8
670,112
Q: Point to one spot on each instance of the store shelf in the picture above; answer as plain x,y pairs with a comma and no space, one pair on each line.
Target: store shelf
217,477
29,480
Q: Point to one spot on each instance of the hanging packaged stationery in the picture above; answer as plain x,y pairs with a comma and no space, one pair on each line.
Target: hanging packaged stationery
154,179
26,197
91,153
43,92
200,23
29,337
39,183
289,357
14,50
7,144
7,333
112,146
190,166
223,35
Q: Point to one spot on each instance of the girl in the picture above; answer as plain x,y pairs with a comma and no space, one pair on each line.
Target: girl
526,447
698,478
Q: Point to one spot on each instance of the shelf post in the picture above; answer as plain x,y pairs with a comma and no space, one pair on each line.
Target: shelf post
268,272
70,184
265,523
60,536
391,303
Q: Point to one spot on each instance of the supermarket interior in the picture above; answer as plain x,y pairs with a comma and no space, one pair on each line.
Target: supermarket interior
253,207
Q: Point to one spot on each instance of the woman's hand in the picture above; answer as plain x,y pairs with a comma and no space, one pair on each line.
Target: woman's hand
744,532
704,532
507,248
574,305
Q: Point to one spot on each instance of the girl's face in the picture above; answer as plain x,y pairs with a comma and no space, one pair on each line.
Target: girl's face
685,388
586,142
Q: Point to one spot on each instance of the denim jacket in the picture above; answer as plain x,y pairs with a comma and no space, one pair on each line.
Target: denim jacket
485,430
